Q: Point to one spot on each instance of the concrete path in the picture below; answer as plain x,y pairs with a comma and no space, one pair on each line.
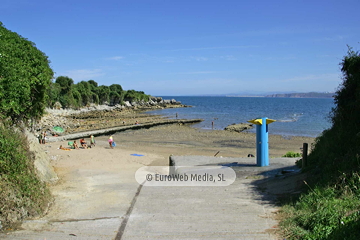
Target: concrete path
237,211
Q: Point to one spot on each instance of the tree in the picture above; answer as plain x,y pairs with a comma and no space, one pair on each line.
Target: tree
53,94
104,94
25,76
341,143
84,89
65,84
93,83
95,91
116,94
66,96
347,97
132,95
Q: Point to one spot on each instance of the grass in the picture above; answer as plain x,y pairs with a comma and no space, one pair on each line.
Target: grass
325,212
22,194
292,154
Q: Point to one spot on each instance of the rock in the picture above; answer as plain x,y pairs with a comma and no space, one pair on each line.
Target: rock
239,127
57,105
152,102
42,164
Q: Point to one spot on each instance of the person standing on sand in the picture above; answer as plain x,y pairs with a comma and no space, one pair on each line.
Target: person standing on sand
44,137
40,137
92,141
111,141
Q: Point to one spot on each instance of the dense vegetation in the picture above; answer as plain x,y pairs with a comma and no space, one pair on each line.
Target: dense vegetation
25,76
64,92
22,194
331,207
26,88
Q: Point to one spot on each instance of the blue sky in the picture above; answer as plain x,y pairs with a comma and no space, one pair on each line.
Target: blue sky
188,47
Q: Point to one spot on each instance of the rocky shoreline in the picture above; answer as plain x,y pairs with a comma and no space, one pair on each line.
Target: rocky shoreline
96,117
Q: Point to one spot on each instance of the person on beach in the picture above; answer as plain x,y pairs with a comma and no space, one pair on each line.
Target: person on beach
111,141
83,143
62,148
75,145
92,141
40,137
43,137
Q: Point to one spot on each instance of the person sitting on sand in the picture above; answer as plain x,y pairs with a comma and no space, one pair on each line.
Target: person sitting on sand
92,141
111,141
62,148
75,145
83,143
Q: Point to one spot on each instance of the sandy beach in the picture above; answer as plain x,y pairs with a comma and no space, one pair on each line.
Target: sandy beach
98,184
176,139
185,140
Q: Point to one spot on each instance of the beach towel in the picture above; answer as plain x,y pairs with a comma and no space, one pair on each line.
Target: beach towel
71,144
136,155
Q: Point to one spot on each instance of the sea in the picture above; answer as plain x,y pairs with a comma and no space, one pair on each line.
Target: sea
307,117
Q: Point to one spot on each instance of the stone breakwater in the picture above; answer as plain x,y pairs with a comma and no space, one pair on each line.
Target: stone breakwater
96,117
240,127
112,130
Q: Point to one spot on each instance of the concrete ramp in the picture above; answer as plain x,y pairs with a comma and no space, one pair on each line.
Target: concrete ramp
237,211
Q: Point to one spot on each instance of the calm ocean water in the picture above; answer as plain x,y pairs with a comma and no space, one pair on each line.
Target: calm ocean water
294,116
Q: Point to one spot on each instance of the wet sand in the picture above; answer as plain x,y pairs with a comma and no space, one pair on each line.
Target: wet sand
185,140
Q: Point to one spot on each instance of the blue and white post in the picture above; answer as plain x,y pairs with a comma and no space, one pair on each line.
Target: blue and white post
262,141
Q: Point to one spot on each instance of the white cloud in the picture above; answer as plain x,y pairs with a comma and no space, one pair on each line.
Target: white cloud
212,48
312,77
84,74
200,59
272,58
334,38
116,58
199,72
229,58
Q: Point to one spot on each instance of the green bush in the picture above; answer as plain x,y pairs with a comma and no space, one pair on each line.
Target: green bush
325,213
25,76
292,154
22,194
331,207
